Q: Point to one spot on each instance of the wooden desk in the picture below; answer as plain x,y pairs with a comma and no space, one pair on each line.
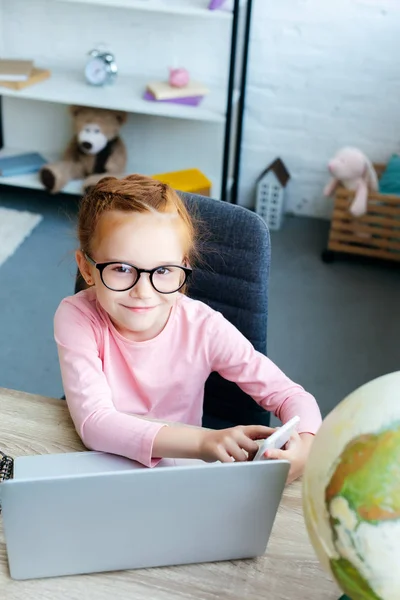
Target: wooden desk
289,571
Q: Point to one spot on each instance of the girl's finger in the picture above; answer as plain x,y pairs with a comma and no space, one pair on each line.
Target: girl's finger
258,432
247,444
234,449
275,454
223,455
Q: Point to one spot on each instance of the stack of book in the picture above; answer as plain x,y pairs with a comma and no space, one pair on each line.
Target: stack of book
191,94
18,74
21,164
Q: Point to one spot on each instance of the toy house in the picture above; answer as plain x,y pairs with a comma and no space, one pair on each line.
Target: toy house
270,197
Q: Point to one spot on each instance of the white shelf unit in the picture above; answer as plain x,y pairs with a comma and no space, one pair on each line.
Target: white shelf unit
69,87
159,137
31,181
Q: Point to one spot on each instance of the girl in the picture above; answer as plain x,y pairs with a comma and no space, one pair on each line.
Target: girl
135,352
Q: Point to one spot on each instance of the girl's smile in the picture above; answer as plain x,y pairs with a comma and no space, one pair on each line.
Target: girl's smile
139,309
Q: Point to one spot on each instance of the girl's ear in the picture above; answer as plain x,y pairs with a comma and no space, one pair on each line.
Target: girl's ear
84,267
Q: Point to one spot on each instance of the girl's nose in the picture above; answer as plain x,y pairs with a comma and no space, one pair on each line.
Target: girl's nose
143,287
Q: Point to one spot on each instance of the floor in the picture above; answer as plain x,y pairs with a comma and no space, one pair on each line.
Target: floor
32,283
331,327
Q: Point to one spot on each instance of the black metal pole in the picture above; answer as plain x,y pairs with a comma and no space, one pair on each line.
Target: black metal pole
229,101
241,106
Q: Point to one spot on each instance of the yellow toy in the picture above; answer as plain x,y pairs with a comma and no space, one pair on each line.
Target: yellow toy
188,180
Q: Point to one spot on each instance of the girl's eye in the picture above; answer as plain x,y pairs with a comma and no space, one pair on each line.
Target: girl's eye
124,269
162,271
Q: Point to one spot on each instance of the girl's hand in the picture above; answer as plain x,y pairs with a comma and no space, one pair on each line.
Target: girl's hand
233,444
296,451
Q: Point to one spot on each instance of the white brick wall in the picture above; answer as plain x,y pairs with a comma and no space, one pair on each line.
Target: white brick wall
322,74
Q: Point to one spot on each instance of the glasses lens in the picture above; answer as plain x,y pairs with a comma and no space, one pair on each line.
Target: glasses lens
119,277
168,279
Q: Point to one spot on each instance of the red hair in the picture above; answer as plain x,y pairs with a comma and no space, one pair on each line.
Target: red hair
134,193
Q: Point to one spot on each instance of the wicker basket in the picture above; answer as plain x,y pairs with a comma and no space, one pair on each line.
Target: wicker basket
375,234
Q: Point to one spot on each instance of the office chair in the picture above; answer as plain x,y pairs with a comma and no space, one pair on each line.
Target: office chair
233,279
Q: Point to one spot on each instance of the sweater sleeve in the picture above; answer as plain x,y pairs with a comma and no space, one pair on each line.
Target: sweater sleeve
235,359
99,424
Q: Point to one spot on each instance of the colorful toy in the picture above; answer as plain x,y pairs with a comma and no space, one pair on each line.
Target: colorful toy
94,151
192,181
355,172
178,77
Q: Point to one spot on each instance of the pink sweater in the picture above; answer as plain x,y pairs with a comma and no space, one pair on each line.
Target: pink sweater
110,381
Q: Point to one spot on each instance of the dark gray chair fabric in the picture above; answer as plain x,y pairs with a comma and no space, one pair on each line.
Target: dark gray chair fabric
233,279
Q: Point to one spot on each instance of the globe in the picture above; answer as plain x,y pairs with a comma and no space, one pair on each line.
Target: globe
351,491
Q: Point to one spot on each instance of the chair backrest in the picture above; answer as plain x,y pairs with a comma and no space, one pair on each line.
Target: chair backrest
232,279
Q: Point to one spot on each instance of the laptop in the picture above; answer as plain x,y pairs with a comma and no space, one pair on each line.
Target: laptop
87,512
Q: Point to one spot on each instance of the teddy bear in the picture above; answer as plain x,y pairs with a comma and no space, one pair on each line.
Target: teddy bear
95,150
351,168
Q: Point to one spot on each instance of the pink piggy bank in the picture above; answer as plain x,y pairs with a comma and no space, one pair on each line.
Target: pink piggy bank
178,77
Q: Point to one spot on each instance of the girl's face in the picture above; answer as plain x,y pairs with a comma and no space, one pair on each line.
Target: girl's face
145,240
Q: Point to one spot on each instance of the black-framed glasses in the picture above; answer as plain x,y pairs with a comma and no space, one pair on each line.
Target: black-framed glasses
121,277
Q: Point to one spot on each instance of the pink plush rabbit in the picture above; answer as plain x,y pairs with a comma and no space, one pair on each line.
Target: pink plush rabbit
354,171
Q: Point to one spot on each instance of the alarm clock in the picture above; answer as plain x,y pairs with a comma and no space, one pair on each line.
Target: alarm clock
101,68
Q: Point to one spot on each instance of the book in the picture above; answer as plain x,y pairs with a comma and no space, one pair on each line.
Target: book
161,90
188,100
36,76
20,164
216,4
15,70
221,4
